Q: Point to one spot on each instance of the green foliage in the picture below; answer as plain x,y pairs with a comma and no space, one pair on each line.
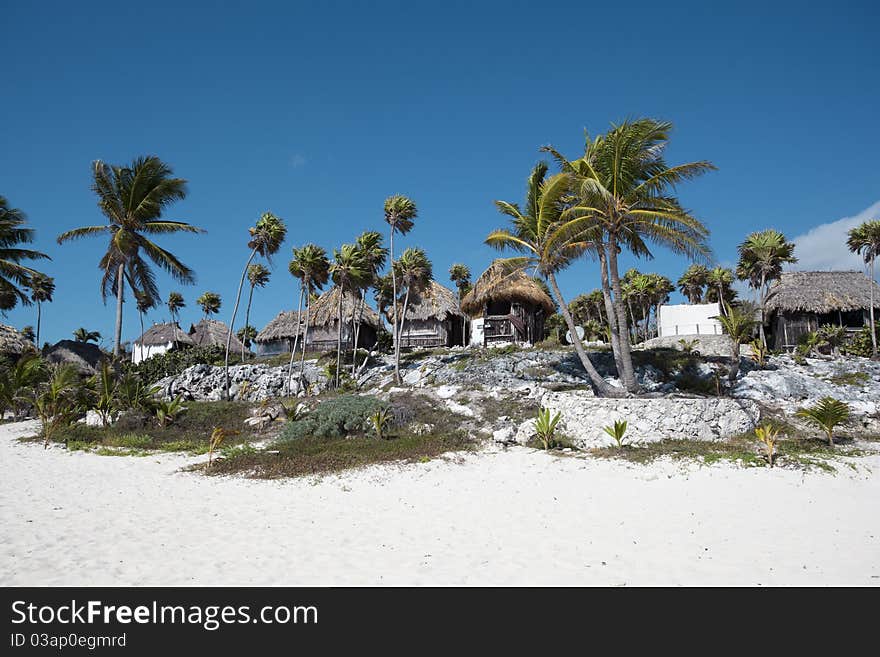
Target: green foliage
167,411
860,344
759,353
827,413
545,427
56,401
337,417
381,421
18,381
172,363
104,387
617,431
767,435
689,347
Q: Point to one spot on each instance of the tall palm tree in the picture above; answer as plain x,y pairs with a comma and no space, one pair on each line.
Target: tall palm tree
14,276
661,288
349,272
84,335
42,288
175,303
400,213
865,239
720,290
210,303
266,238
311,266
692,283
258,276
133,198
761,258
460,275
246,335
543,236
374,255
414,271
625,188
144,302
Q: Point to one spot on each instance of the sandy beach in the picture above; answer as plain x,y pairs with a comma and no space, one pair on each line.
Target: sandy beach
491,518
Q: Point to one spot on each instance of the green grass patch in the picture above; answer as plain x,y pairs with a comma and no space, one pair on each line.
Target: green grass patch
858,379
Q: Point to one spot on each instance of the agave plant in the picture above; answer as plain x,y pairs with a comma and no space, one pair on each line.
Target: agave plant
617,431
168,411
545,427
826,414
767,436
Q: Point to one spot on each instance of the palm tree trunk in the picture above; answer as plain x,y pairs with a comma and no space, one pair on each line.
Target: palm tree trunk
734,362
721,297
302,358
394,311
247,319
763,301
633,327
338,337
603,389
873,326
399,330
357,330
646,311
296,340
142,334
39,318
628,375
232,327
117,344
609,310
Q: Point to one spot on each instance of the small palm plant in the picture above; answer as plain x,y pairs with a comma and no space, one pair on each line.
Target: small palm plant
689,347
826,414
168,411
105,389
759,353
617,431
55,401
545,427
767,436
218,435
381,421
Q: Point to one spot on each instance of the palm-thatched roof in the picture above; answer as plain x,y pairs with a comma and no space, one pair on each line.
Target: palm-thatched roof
822,292
213,332
164,333
12,342
436,302
284,326
324,310
502,283
85,356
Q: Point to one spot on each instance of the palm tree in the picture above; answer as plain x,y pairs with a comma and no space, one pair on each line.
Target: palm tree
739,324
625,188
144,302
42,288
460,275
692,282
84,335
865,240
246,335
175,303
266,238
826,414
311,266
761,257
414,271
661,288
210,303
258,276
720,290
349,273
28,333
14,276
133,199
541,234
400,213
374,255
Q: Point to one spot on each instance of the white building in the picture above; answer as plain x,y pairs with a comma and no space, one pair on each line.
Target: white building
158,339
689,319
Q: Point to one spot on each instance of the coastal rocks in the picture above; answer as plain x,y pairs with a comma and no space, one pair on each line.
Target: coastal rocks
706,345
247,382
649,420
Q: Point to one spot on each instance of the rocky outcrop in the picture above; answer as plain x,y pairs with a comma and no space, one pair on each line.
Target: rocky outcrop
649,420
707,345
247,382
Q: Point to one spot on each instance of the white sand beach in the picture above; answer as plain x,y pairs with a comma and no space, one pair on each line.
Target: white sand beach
494,518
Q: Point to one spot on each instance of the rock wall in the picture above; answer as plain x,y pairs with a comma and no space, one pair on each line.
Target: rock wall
649,420
246,382
707,345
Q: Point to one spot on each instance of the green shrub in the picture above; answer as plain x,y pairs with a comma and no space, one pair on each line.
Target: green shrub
335,418
860,344
174,362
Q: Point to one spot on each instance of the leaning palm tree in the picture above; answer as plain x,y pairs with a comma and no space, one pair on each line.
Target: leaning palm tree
14,276
84,335
720,290
374,255
175,303
258,276
210,303
349,272
311,266
761,258
414,271
42,288
400,213
266,238
625,189
540,232
739,324
865,240
693,281
133,199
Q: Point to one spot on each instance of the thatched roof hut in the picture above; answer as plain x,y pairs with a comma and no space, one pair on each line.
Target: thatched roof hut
163,334
12,343
436,302
284,326
85,356
500,282
213,332
324,310
822,292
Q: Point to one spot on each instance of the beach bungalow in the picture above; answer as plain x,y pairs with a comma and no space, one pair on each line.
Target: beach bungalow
506,306
433,319
278,335
804,301
159,339
323,325
213,332
85,356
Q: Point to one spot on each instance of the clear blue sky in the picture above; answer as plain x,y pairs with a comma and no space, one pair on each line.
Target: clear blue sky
319,113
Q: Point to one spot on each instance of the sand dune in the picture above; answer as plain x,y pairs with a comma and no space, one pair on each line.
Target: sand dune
514,517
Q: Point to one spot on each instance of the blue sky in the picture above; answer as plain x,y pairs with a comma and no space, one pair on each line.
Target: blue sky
318,113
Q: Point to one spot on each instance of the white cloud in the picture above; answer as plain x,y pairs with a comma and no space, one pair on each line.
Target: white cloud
824,247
